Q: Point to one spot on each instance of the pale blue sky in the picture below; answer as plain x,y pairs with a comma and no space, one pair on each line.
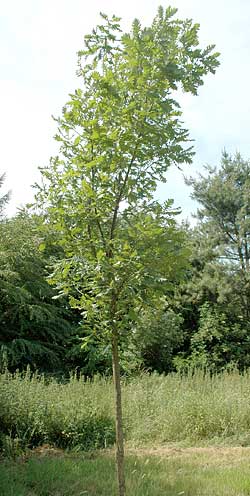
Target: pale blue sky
39,41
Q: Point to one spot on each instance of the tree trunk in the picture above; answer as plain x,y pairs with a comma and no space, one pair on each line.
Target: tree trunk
118,416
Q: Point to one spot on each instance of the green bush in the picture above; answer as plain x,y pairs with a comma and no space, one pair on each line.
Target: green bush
94,431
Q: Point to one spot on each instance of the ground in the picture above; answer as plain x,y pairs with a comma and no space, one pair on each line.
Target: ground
159,471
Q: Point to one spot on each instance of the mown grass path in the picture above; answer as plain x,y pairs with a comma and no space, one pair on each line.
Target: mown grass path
165,471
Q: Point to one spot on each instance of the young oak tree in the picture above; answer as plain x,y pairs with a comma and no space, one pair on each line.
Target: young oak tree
119,134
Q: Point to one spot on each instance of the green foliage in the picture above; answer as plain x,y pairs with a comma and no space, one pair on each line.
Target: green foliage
157,338
224,226
214,299
118,136
4,198
88,355
34,327
218,343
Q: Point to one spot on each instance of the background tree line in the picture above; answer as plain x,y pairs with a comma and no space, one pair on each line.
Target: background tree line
202,319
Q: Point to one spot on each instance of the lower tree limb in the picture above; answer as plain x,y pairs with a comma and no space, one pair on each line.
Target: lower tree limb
118,416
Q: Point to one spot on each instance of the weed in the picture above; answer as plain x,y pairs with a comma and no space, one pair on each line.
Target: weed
190,409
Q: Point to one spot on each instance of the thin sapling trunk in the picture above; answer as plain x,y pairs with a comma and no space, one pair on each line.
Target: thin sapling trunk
118,416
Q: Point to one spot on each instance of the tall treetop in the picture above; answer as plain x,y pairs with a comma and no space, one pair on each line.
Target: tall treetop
121,131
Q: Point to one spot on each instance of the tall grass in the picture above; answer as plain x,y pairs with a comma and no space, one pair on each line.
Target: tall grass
35,411
157,409
190,408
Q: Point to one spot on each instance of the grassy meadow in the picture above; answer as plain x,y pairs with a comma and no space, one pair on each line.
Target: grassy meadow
175,473
185,435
